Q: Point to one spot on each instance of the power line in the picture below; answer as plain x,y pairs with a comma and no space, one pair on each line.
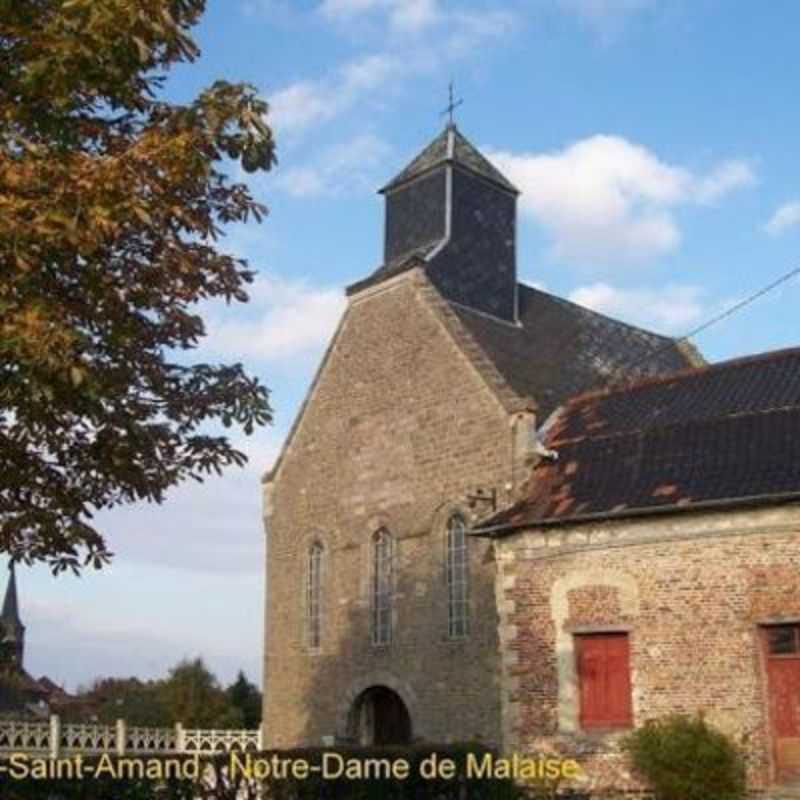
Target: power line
724,315
746,302
619,383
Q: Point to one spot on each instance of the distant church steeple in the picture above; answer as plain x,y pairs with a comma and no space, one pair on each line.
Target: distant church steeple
454,210
12,631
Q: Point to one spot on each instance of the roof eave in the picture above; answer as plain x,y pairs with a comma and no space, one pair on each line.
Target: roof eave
373,280
506,529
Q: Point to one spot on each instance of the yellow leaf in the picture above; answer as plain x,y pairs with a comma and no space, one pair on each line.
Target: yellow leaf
77,375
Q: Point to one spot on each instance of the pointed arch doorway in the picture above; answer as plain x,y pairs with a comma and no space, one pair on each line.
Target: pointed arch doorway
379,717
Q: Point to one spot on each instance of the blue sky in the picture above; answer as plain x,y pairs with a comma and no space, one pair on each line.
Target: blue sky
654,141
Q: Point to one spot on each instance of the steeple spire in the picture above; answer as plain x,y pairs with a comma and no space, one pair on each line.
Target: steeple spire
10,602
12,630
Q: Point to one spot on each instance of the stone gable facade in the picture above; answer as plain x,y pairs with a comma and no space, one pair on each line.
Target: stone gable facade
399,428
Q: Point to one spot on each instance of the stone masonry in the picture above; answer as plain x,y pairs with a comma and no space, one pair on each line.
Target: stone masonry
399,427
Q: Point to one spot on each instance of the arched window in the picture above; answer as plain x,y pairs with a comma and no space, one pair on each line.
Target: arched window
382,556
457,569
314,596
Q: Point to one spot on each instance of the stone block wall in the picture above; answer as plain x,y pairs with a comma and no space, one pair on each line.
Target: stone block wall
398,430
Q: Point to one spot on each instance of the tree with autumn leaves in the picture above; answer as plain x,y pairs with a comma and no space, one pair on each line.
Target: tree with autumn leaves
112,202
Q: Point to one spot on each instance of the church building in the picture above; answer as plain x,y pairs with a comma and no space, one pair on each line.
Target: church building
19,692
385,620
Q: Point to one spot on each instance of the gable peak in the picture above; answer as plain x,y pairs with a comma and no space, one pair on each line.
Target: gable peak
450,147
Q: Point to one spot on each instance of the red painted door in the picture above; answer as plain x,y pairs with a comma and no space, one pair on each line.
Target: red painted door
783,675
605,684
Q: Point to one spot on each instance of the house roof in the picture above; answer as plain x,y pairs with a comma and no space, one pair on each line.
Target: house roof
727,433
450,147
49,686
560,348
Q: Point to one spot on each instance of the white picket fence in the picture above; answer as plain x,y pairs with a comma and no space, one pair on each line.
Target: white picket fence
55,738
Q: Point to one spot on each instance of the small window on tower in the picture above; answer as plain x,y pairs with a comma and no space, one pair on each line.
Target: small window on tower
604,680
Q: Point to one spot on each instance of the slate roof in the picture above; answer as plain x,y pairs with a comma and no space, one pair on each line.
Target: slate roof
728,433
395,267
451,146
560,348
49,686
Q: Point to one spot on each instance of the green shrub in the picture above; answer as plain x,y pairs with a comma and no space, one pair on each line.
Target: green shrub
684,758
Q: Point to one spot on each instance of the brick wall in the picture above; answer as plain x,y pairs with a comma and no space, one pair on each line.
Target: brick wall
399,427
691,589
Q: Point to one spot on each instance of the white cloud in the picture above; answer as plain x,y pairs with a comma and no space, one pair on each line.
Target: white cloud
406,16
605,17
349,8
345,167
141,619
604,9
466,31
286,320
439,38
727,176
785,217
280,11
670,308
413,15
605,200
299,105
369,73
307,103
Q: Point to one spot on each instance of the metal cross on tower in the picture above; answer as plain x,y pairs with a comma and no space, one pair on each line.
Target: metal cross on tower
452,105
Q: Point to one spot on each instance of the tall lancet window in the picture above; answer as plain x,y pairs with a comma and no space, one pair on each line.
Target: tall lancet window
382,568
457,569
314,597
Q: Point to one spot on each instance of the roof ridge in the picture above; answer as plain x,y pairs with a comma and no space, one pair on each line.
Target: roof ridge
473,351
637,384
483,167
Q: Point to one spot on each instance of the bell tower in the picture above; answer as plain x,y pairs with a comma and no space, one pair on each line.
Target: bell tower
451,207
